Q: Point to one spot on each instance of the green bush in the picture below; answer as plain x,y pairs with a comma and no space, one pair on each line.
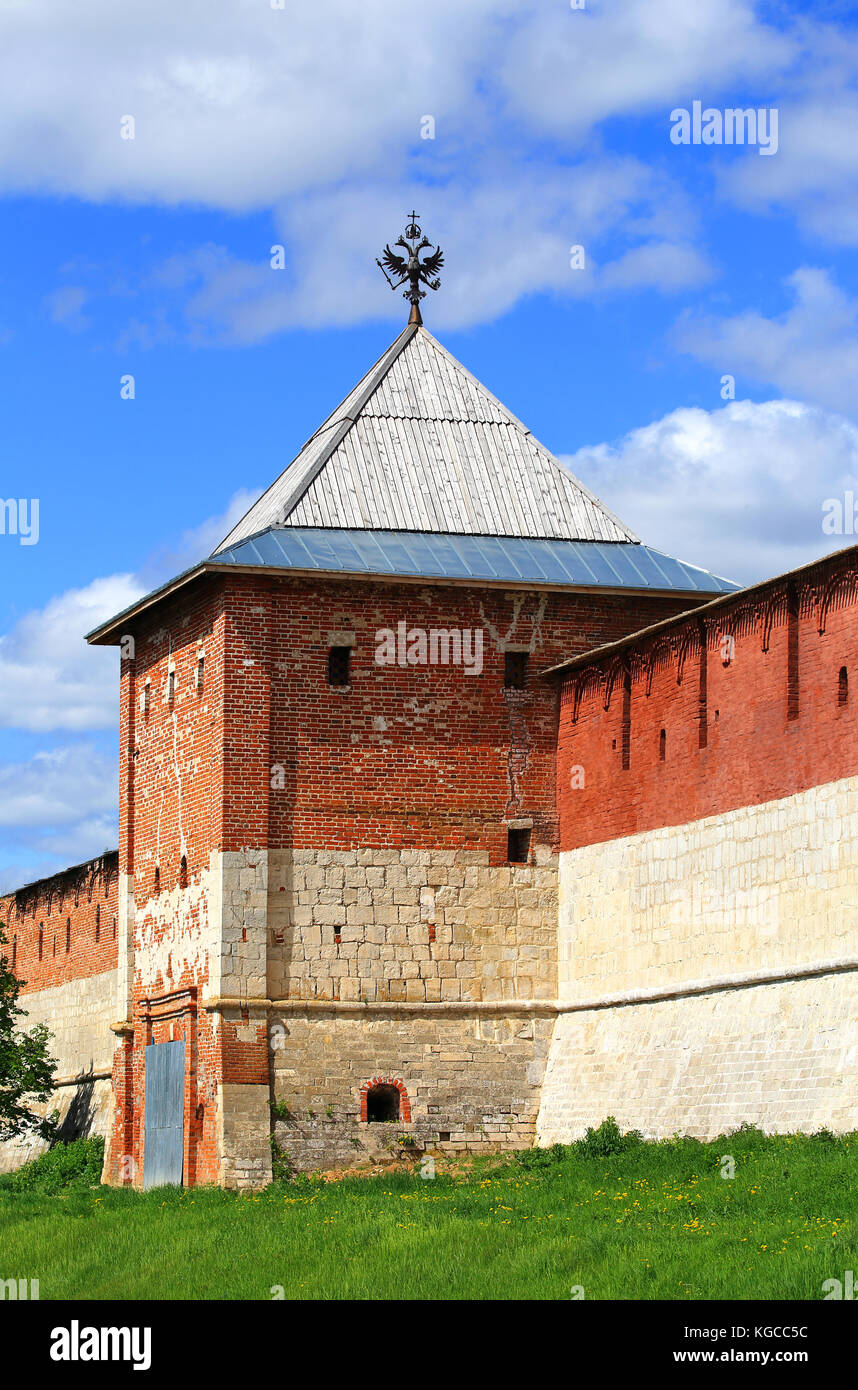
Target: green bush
603,1142
65,1166
607,1140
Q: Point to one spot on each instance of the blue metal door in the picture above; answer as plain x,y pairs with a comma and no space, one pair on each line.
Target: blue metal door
165,1114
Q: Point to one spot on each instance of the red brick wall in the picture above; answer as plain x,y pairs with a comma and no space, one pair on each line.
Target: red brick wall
170,781
421,756
73,915
171,757
743,724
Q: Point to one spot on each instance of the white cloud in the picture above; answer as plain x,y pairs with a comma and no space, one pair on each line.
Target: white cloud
661,265
811,351
59,788
235,105
59,808
815,173
738,490
49,677
50,853
242,106
570,70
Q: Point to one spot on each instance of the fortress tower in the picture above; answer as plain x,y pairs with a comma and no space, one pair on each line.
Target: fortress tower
337,879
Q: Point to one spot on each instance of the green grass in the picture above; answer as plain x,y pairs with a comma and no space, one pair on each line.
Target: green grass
654,1221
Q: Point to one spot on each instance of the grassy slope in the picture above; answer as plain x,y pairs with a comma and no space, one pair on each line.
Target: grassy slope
654,1222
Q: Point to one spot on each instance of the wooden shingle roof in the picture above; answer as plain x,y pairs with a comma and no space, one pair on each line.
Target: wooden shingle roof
421,445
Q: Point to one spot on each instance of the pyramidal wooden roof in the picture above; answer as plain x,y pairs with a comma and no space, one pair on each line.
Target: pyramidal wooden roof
421,445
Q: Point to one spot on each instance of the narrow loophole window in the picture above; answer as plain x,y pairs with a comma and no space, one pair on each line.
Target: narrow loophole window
41,939
662,745
517,845
515,670
183,872
382,1105
339,664
843,686
68,934
14,951
97,923
157,879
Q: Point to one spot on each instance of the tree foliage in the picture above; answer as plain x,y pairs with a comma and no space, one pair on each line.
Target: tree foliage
26,1067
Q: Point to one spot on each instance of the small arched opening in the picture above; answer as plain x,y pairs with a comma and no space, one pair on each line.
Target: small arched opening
384,1100
382,1105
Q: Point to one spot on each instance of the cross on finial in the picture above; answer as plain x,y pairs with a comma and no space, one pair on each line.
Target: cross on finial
409,267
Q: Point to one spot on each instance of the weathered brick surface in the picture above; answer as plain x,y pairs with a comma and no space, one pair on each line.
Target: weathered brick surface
475,1080
64,927
404,757
411,925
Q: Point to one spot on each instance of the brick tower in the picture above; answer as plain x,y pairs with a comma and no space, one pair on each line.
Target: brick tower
337,878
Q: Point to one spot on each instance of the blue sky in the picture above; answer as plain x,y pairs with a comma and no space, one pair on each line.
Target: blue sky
256,126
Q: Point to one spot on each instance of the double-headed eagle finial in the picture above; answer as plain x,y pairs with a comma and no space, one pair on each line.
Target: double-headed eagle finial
409,267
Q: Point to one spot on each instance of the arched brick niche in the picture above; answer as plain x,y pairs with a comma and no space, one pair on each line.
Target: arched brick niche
384,1098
